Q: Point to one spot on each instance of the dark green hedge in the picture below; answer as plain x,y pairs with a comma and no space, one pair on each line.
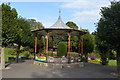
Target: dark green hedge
61,49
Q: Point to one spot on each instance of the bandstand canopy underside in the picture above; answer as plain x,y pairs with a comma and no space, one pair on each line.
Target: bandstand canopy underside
59,32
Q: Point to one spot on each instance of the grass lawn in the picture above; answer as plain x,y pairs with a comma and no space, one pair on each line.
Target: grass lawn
112,63
7,54
74,54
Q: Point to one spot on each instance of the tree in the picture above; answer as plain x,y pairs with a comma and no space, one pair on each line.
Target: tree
108,28
72,25
0,25
35,25
8,20
74,39
103,48
14,29
74,43
40,46
24,35
9,23
88,45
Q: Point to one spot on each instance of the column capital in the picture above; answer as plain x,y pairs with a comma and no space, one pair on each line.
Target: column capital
47,35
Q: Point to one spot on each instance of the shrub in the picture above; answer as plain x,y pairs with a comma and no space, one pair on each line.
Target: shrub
61,49
104,58
74,54
11,51
43,52
25,53
92,56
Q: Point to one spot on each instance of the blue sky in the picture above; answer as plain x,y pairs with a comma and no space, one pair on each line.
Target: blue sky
83,12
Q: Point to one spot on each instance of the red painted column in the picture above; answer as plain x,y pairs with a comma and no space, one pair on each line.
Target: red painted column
47,47
35,47
68,43
47,44
69,49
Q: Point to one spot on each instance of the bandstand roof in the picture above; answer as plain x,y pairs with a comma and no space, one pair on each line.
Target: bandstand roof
60,24
58,29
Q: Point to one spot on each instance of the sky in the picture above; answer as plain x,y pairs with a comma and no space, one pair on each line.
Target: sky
85,13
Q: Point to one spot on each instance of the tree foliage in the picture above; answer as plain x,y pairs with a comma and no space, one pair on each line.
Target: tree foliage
0,25
74,43
9,24
103,48
15,30
88,44
24,34
109,27
74,39
72,25
35,25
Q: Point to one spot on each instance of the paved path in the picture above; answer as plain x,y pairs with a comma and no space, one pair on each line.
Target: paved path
28,70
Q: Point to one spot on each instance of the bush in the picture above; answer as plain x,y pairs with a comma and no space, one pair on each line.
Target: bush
11,51
92,56
104,59
43,52
25,53
61,49
74,54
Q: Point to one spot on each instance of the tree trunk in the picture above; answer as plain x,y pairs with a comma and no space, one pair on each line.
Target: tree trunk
17,54
34,56
118,61
86,57
2,58
104,61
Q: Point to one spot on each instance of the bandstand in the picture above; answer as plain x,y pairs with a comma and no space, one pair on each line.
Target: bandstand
58,29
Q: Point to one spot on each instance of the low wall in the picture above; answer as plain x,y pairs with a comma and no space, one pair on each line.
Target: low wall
58,60
59,65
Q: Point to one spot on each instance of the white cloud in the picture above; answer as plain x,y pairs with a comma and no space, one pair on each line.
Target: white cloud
37,0
86,4
90,15
47,22
33,18
86,10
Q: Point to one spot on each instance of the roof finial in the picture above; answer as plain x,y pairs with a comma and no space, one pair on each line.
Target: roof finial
59,12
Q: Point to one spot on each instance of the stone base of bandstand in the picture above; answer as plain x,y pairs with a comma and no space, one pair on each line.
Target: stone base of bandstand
60,65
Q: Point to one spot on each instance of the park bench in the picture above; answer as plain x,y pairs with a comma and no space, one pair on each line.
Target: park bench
11,58
23,57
